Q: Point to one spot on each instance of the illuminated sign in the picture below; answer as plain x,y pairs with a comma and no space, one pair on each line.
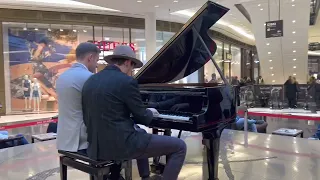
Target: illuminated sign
110,45
229,56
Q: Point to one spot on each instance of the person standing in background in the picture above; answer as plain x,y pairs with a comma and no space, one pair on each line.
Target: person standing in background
291,92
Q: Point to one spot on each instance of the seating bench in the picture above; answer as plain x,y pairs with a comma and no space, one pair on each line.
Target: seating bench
97,169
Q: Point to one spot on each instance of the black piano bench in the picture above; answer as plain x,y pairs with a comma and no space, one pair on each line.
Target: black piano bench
97,169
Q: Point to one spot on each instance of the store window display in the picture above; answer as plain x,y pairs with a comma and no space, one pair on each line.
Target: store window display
40,52
26,86
36,94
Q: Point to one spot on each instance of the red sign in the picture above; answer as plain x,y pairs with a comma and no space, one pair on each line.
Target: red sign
110,45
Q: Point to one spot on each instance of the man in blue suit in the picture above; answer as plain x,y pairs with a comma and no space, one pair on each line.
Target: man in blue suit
109,99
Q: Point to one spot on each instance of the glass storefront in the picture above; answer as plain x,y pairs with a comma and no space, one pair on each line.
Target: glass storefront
36,54
228,58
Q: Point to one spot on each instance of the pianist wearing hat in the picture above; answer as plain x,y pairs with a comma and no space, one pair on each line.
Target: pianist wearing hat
109,99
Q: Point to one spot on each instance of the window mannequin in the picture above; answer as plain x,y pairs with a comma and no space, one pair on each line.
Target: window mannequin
36,94
26,86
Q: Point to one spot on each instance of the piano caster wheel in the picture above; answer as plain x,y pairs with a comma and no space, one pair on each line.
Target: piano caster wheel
157,168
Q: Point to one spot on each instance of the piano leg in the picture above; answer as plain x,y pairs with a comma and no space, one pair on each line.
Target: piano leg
211,141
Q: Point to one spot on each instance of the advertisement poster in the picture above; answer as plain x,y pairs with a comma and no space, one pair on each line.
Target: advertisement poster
38,57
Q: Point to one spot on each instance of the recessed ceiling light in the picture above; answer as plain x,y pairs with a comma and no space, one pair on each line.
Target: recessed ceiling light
36,29
272,74
261,9
61,30
84,30
269,52
294,59
294,21
273,80
294,51
268,44
294,42
175,1
294,74
270,60
49,29
294,67
156,6
293,32
259,5
139,1
24,28
271,67
292,0
293,5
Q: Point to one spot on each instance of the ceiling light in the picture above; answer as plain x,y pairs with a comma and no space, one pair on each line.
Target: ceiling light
293,32
106,38
268,44
293,5
294,59
294,42
294,21
175,1
139,1
272,74
294,67
273,80
49,29
84,30
264,24
294,51
271,67
294,74
270,60
36,29
292,0
74,30
269,52
259,5
156,6
261,9
61,30
24,28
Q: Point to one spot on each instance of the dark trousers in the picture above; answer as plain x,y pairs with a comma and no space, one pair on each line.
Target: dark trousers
292,102
173,147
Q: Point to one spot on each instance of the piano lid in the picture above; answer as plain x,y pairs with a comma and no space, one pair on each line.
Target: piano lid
184,53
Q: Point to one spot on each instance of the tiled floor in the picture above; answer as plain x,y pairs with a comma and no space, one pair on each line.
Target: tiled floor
242,157
258,157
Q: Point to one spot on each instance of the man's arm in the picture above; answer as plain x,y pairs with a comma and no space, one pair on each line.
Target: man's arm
134,103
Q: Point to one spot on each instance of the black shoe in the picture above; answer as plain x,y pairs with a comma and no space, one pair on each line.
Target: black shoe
119,178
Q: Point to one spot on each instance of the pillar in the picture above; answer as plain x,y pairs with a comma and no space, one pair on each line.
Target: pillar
150,34
2,75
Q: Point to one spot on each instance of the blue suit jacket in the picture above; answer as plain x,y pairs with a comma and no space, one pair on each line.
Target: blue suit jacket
109,98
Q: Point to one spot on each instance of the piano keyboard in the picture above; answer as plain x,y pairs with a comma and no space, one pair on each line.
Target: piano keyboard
174,117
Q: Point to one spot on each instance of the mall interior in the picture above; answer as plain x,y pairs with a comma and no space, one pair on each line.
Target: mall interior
267,51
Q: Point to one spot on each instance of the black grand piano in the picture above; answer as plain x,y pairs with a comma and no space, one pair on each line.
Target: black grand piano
206,108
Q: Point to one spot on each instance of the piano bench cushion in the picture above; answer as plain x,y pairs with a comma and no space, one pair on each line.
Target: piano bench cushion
75,155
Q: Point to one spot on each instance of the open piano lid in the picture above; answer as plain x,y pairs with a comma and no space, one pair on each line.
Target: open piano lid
184,53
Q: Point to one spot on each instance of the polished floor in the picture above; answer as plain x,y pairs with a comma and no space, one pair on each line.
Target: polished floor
243,156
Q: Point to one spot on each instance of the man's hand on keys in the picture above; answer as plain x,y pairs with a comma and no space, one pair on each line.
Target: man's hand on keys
154,112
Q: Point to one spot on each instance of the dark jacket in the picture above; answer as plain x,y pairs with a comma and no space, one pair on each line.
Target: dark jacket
108,99
291,89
